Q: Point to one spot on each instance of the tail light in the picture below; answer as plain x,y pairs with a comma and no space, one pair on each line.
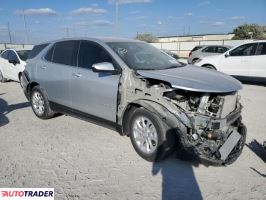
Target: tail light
190,53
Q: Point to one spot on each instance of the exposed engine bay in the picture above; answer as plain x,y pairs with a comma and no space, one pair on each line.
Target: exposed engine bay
212,121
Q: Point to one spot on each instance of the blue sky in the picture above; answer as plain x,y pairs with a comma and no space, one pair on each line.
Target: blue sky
52,19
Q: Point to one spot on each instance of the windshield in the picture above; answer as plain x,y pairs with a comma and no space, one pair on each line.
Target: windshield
23,54
138,55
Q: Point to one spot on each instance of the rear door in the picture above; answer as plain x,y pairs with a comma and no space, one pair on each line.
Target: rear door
94,93
55,71
239,60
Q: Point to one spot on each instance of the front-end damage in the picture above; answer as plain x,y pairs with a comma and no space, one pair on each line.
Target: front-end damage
208,124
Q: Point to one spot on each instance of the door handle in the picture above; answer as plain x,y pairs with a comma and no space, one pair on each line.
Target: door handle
77,75
43,67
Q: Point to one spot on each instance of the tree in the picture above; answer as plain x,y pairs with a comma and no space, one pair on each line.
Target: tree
146,37
248,31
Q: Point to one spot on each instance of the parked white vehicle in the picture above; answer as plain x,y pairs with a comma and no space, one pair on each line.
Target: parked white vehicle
12,63
244,61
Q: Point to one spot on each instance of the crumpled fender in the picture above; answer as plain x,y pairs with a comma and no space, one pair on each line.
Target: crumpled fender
170,119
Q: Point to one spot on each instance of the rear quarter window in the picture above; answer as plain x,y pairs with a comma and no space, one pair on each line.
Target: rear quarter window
36,50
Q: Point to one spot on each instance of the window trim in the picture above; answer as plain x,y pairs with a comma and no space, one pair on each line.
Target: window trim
243,45
114,62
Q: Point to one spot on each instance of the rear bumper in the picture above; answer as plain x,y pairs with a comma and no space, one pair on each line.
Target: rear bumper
25,84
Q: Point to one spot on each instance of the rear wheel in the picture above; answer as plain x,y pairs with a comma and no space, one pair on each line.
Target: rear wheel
2,78
150,137
40,104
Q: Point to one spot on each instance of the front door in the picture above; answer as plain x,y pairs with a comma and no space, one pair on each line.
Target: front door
239,60
94,93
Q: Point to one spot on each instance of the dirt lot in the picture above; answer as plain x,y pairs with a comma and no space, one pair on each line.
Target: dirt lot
82,160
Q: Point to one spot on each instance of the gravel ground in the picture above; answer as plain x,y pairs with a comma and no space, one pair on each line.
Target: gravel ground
82,160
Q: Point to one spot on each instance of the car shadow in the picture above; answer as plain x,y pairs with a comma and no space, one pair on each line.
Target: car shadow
178,179
5,109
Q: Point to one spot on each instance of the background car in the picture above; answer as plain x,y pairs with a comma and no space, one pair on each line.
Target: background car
204,51
246,61
12,63
170,53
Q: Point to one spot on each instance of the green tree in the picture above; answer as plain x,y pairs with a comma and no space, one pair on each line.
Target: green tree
248,31
146,37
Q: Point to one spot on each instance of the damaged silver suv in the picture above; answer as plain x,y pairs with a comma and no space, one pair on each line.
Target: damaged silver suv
149,96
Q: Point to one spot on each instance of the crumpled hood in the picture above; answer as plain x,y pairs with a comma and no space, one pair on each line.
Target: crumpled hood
195,79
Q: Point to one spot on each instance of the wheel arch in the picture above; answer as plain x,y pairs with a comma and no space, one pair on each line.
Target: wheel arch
156,109
204,65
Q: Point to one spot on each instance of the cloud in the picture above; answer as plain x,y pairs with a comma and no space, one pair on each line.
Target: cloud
83,11
135,12
189,14
130,1
204,3
95,23
218,23
35,12
237,17
159,22
3,28
170,17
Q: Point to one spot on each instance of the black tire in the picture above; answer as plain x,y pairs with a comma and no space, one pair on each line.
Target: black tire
194,60
2,78
167,139
209,67
47,111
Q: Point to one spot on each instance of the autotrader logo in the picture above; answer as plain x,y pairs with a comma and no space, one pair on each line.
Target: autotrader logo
27,193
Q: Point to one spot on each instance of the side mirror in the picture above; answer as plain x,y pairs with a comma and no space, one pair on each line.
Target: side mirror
103,67
227,54
14,62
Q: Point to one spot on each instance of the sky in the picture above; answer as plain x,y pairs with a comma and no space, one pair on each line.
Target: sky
52,19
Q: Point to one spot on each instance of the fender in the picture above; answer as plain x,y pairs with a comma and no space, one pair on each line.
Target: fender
170,119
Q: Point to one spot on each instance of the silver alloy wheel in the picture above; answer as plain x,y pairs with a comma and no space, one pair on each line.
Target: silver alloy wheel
145,134
38,103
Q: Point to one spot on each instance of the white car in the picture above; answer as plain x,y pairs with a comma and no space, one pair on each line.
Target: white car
12,63
246,61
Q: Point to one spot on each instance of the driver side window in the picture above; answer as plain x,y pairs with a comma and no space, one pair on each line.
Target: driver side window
244,50
5,54
91,53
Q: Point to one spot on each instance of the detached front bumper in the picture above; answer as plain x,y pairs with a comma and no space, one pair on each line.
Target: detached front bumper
218,141
25,84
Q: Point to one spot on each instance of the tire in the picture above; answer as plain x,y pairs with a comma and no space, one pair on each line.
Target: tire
209,67
194,60
2,78
161,143
40,103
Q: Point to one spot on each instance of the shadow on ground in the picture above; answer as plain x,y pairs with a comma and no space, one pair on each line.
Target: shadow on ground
178,179
259,150
5,109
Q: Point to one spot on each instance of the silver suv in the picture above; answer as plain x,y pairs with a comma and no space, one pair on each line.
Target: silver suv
149,96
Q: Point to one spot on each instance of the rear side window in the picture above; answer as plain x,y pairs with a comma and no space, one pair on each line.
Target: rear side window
261,49
91,53
49,54
66,53
5,54
36,50
196,48
209,50
221,49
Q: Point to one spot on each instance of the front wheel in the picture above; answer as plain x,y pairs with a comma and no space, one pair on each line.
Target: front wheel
40,104
150,136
